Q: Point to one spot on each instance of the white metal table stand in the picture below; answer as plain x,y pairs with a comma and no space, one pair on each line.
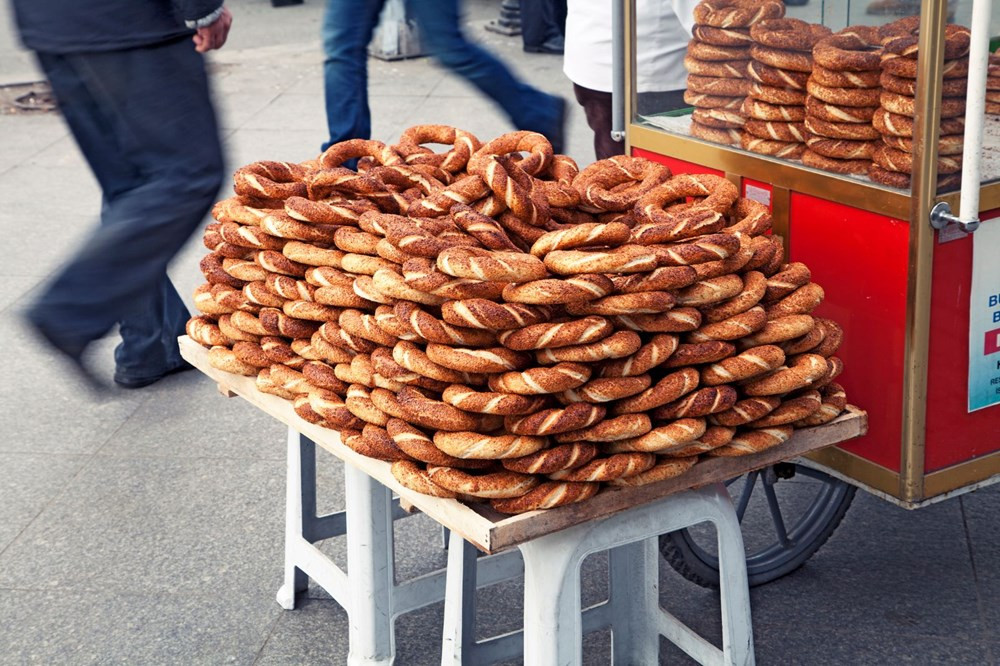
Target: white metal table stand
553,621
368,590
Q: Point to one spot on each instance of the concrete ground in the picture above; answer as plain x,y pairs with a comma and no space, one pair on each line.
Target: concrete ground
146,528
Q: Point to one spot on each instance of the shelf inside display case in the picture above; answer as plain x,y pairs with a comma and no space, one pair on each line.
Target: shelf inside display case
749,117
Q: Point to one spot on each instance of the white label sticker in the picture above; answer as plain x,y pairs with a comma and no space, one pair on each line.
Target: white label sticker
984,317
758,194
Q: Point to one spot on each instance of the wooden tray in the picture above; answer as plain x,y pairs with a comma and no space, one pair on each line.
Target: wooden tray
491,531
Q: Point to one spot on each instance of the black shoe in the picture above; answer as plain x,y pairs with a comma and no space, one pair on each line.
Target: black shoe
553,45
137,383
73,353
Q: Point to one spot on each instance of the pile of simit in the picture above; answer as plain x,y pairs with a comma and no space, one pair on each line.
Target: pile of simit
503,327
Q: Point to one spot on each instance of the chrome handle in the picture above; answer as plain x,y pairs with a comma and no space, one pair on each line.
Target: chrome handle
941,216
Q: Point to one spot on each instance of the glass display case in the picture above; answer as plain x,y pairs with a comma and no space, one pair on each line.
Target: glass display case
851,142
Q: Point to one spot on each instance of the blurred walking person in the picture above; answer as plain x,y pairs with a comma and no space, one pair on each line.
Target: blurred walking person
543,25
130,80
347,29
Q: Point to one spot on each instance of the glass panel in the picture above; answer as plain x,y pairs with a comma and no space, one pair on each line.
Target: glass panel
766,91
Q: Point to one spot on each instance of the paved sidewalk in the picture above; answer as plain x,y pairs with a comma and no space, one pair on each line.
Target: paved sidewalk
147,528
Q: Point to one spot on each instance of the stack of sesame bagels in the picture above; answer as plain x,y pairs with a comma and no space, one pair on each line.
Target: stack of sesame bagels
993,85
717,60
843,96
503,327
893,157
779,70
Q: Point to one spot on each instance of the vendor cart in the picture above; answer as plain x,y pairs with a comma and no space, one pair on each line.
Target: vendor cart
914,286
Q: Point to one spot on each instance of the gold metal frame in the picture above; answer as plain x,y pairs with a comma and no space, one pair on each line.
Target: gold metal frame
912,486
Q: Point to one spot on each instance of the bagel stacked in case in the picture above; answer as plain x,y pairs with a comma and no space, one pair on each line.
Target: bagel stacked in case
893,158
503,328
779,70
993,85
843,96
717,60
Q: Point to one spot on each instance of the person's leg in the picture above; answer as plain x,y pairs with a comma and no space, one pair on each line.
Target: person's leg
597,107
144,120
527,107
347,28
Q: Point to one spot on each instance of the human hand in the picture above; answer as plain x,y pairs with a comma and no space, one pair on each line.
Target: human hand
213,36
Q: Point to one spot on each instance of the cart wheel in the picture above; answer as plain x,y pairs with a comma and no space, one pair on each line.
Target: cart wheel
783,524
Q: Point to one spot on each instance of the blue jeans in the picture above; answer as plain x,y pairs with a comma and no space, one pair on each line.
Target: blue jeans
143,119
347,29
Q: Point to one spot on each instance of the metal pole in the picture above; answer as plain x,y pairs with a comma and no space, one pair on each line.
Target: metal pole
618,70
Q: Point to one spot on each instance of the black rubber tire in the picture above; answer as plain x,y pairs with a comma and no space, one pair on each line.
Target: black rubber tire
825,513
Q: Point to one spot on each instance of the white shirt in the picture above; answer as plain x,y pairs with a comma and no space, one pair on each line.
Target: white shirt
663,27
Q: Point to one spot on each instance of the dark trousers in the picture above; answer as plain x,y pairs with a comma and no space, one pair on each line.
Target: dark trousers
143,119
597,107
347,28
542,20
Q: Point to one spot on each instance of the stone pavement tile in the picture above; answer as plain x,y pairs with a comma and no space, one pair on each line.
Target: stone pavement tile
252,145
235,108
28,483
105,627
981,509
157,526
288,111
885,567
13,289
185,416
316,632
63,153
872,644
49,409
26,135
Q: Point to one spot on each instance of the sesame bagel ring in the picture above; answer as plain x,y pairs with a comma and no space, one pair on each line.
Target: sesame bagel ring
835,164
668,389
616,466
415,359
415,477
616,345
851,131
790,410
783,149
484,314
726,137
539,381
704,401
753,441
437,415
606,389
716,53
270,180
590,234
750,363
733,328
547,495
678,320
803,371
844,79
776,131
834,400
746,410
645,358
758,110
418,445
484,402
796,61
480,264
479,360
947,145
463,145
472,445
483,228
711,85
753,290
844,96
736,13
842,149
614,429
896,160
856,50
557,334
488,485
788,33
905,41
665,468
553,459
703,101
951,107
600,184
908,87
714,437
835,113
664,278
432,329
897,125
773,76
575,416
719,118
559,291
729,70
624,259
722,36
643,302
662,439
